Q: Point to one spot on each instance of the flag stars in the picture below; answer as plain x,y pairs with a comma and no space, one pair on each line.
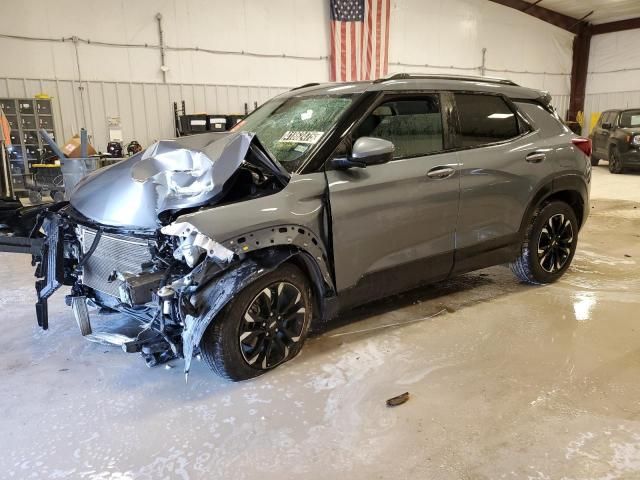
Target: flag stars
347,10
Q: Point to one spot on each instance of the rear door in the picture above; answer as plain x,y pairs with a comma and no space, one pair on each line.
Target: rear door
601,134
502,163
395,222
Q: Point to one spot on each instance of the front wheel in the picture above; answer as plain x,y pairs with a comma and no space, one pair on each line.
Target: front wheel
263,327
615,165
594,161
549,245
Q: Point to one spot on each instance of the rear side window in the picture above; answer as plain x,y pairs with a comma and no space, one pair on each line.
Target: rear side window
413,125
484,119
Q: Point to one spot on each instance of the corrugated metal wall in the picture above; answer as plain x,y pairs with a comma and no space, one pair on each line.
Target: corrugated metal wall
561,104
145,109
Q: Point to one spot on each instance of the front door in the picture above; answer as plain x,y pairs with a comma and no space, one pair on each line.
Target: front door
394,224
601,135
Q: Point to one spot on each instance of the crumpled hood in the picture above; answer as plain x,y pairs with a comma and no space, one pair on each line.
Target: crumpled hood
169,175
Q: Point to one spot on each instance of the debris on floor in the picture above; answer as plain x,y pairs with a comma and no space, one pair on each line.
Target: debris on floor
399,400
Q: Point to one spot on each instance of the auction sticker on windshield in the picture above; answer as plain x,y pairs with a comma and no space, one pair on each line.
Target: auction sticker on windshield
300,137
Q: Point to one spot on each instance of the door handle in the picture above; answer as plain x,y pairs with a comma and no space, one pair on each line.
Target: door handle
535,157
440,172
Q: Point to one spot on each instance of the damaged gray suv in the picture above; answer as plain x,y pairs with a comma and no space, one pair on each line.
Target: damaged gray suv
325,197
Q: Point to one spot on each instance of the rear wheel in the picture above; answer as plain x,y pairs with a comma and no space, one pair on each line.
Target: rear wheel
615,165
549,245
263,327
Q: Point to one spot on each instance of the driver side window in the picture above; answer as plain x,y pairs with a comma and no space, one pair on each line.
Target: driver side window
413,125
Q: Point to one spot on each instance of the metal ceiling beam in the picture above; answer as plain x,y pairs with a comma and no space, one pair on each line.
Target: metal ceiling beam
619,26
581,43
565,22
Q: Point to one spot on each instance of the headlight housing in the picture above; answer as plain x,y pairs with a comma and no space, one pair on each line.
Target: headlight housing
635,140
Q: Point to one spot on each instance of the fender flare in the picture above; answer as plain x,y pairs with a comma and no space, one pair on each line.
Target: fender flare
217,292
280,235
568,182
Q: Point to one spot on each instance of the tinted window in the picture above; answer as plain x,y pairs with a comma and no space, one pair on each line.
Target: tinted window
613,116
484,119
630,118
414,126
609,117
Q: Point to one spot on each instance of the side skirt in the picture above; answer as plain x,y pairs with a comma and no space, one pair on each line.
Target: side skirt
487,254
384,283
400,279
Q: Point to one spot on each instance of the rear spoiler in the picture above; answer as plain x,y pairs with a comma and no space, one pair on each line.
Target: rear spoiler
544,100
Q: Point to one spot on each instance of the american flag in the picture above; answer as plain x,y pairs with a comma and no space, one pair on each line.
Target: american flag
359,39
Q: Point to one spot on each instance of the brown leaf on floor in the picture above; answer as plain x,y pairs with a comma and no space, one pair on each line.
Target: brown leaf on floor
628,256
399,400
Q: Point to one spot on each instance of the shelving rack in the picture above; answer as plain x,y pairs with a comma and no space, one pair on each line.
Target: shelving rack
26,116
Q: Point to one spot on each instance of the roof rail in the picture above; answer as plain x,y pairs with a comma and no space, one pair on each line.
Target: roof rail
408,76
312,84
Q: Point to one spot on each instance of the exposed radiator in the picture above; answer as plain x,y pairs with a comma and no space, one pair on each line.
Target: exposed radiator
118,253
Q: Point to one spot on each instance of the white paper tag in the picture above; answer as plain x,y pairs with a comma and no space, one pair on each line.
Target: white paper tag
300,137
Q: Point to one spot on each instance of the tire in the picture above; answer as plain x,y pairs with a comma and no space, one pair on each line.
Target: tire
549,245
236,344
615,165
594,161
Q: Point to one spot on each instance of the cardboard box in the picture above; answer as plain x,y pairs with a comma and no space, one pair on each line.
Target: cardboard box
71,149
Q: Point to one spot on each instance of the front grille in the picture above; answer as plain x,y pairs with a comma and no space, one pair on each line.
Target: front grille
119,253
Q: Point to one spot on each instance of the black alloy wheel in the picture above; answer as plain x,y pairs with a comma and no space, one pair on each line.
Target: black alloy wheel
615,165
555,243
263,326
549,244
272,324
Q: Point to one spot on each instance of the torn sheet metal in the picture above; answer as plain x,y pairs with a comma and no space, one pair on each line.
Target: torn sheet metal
214,299
170,174
210,301
193,244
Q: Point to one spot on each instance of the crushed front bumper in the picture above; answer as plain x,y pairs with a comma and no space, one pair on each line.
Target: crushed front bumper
49,266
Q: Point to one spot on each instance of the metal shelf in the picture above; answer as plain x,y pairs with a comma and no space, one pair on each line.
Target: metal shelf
38,113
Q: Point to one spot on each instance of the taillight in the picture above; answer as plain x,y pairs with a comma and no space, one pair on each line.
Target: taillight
583,144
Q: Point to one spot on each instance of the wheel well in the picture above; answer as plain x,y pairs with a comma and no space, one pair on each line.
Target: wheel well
572,198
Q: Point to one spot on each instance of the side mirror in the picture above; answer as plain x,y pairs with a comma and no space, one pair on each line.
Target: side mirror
366,151
372,151
606,126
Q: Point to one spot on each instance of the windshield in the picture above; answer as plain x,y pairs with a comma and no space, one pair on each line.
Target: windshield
289,127
630,118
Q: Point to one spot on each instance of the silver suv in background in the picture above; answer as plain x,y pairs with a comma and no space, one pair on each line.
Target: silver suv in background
326,197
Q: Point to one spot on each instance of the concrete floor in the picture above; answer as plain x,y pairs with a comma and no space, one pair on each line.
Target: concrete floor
506,381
